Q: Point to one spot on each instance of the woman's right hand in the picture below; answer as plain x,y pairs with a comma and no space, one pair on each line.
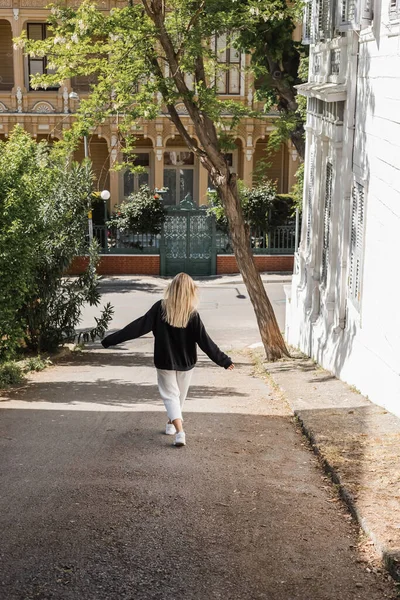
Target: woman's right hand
231,367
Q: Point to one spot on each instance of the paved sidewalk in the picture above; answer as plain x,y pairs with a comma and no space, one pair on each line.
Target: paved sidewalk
96,504
359,443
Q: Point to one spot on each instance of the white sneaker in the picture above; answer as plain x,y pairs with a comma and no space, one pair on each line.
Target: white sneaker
180,439
170,429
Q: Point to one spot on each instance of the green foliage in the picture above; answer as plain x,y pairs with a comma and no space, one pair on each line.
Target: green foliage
283,209
55,311
36,363
126,50
18,178
216,209
10,374
44,200
297,190
258,203
279,63
262,207
285,126
142,213
100,329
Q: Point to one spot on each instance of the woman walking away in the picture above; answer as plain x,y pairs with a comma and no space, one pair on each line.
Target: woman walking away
177,328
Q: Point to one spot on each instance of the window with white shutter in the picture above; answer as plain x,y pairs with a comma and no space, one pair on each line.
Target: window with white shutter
307,22
394,9
356,242
229,75
310,194
325,19
368,10
327,222
348,17
335,61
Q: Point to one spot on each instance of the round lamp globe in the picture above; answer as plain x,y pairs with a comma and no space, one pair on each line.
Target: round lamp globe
105,195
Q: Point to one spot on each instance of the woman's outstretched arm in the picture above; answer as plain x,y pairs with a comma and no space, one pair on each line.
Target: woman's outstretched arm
136,329
209,347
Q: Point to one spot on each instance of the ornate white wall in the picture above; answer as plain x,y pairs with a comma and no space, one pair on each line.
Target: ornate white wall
357,341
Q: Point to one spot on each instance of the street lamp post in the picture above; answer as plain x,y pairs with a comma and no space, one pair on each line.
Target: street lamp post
105,195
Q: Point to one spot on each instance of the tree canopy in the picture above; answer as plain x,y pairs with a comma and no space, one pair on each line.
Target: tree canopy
151,55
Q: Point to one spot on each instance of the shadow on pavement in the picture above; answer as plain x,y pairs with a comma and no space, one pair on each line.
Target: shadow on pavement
108,392
100,506
123,287
120,356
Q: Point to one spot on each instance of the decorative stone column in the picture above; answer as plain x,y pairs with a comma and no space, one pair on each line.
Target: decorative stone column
203,185
18,64
248,165
159,158
248,153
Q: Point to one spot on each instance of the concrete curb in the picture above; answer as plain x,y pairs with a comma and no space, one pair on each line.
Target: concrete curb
330,415
390,559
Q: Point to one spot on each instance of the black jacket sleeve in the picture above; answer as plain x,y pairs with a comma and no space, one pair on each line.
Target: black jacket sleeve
209,347
136,329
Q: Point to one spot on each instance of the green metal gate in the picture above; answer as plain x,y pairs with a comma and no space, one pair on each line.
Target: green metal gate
188,242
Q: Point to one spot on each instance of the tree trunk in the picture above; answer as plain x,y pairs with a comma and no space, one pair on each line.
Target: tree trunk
271,336
214,161
298,140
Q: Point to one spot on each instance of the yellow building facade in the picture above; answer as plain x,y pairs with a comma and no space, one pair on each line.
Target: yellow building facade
165,159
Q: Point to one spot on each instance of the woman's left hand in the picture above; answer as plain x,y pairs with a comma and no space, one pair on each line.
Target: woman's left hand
231,367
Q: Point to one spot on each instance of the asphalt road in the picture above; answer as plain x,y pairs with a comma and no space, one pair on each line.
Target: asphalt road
224,305
96,503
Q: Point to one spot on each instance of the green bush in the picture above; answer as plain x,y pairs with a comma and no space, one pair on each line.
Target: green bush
20,180
258,205
282,209
142,213
44,199
262,207
36,363
10,374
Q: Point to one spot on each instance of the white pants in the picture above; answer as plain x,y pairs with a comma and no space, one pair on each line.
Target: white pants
173,387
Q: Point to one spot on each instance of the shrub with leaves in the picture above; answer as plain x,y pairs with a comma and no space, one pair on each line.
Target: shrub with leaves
142,213
44,198
262,207
258,205
10,374
216,209
20,183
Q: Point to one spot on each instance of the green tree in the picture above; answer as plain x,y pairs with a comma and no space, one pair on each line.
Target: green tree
43,210
19,182
279,63
128,50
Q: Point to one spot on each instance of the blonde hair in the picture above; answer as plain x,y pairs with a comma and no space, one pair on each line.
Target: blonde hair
180,300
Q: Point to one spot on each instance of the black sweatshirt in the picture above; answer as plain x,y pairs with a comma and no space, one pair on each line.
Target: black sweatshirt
175,347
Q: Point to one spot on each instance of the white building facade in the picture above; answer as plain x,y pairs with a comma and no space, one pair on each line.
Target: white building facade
343,308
